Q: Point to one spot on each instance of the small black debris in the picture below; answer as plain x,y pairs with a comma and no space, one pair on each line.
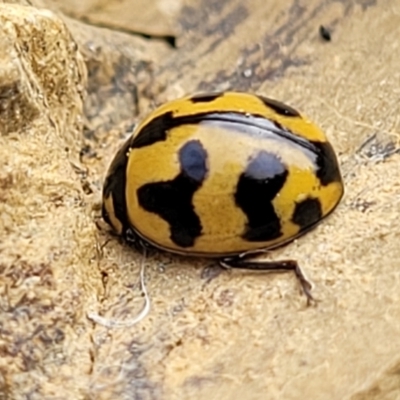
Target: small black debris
325,33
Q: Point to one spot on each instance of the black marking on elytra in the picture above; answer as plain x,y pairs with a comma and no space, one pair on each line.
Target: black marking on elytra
278,125
326,163
155,131
258,185
206,97
115,185
192,158
279,107
172,200
307,213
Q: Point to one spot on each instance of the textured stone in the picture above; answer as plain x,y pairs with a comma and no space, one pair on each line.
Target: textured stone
47,273
209,333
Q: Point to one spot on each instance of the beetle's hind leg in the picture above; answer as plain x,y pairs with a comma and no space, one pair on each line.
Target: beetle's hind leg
251,263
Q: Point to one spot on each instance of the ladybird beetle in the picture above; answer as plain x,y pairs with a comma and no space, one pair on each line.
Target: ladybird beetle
223,175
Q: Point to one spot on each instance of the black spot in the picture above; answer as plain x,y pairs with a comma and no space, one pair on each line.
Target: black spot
192,158
154,131
278,126
279,108
325,33
115,185
172,200
307,213
327,164
206,97
262,180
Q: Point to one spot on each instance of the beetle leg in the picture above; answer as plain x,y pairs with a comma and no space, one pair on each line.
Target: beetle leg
243,262
136,241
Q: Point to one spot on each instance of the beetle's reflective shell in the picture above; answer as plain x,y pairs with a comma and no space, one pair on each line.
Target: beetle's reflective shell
222,174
